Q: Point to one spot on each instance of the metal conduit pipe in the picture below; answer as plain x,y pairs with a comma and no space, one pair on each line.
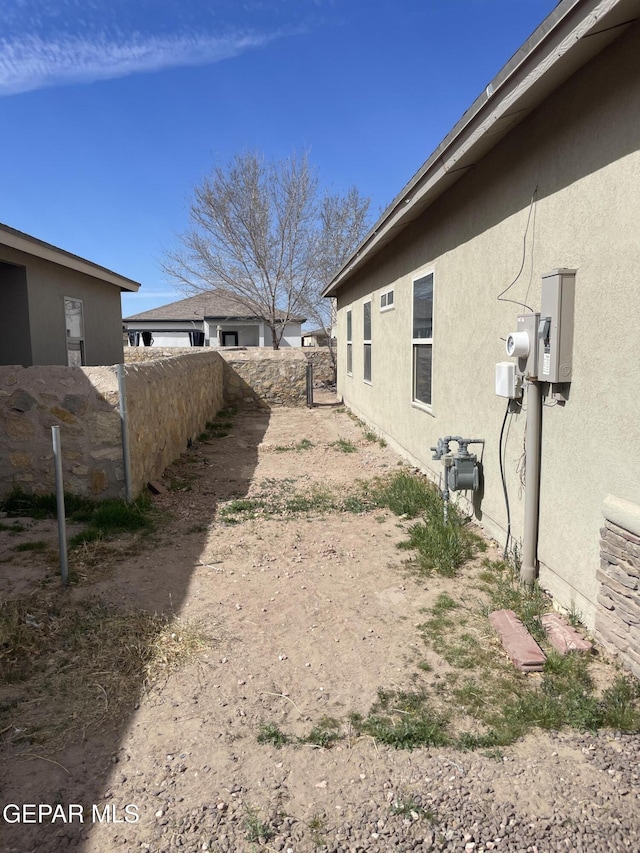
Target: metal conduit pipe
529,568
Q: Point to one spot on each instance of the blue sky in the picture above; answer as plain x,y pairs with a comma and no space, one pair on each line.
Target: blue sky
112,110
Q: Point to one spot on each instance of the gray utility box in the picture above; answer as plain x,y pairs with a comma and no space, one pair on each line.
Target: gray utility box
555,328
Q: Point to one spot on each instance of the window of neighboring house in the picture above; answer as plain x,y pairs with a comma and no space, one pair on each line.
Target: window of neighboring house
366,335
74,319
349,344
422,339
386,300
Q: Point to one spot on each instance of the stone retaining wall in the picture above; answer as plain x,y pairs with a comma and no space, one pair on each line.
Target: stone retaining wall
265,377
618,618
171,394
323,366
169,402
83,402
259,376
135,355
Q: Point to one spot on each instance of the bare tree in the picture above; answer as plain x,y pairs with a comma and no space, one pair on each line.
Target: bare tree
259,230
344,220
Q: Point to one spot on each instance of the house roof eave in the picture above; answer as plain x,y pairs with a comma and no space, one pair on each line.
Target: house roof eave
570,36
38,248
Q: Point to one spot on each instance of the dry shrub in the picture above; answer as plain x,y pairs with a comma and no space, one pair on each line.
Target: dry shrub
71,667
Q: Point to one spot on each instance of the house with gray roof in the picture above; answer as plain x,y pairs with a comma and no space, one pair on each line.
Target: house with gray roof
521,229
57,308
212,319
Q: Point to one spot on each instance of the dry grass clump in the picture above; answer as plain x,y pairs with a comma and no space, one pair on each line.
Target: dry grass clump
68,668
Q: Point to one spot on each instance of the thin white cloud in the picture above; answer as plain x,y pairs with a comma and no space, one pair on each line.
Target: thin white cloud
35,63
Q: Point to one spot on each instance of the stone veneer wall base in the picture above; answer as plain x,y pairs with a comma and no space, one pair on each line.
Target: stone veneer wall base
618,619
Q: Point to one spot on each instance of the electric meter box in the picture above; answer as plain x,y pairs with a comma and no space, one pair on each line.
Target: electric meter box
555,327
528,325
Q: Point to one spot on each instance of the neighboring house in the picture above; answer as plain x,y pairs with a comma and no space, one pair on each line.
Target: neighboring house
57,308
542,172
316,338
213,319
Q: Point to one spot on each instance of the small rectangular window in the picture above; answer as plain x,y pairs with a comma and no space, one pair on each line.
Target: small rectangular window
366,335
349,344
386,300
74,320
422,339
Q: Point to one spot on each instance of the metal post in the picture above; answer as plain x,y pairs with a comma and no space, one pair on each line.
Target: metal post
124,424
62,526
529,569
309,384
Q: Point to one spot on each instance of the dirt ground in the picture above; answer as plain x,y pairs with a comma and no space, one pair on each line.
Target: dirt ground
307,617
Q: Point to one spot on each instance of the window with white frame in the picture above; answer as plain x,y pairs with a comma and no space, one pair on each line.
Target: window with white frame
74,321
386,300
422,339
366,336
349,344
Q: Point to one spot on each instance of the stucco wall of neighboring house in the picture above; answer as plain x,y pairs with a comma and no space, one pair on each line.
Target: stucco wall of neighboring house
170,339
47,286
250,334
580,150
292,336
15,340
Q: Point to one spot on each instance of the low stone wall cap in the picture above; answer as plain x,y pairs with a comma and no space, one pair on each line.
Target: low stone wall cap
624,513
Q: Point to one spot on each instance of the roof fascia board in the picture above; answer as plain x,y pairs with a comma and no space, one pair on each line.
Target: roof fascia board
548,46
37,248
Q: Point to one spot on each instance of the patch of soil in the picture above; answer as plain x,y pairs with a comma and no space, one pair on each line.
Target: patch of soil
308,614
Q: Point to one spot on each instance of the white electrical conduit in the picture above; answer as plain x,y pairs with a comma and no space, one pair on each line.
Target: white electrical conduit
529,569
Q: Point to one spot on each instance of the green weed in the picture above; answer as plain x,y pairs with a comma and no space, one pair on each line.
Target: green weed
325,734
403,720
256,829
31,546
20,503
110,517
317,826
269,733
12,528
408,806
506,592
442,547
405,495
344,445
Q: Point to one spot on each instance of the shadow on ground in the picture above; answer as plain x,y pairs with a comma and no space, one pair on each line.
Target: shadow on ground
91,647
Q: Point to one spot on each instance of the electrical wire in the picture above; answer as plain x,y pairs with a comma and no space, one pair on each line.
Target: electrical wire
524,258
504,483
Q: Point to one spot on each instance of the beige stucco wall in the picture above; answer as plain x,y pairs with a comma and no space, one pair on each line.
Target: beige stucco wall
580,149
47,285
